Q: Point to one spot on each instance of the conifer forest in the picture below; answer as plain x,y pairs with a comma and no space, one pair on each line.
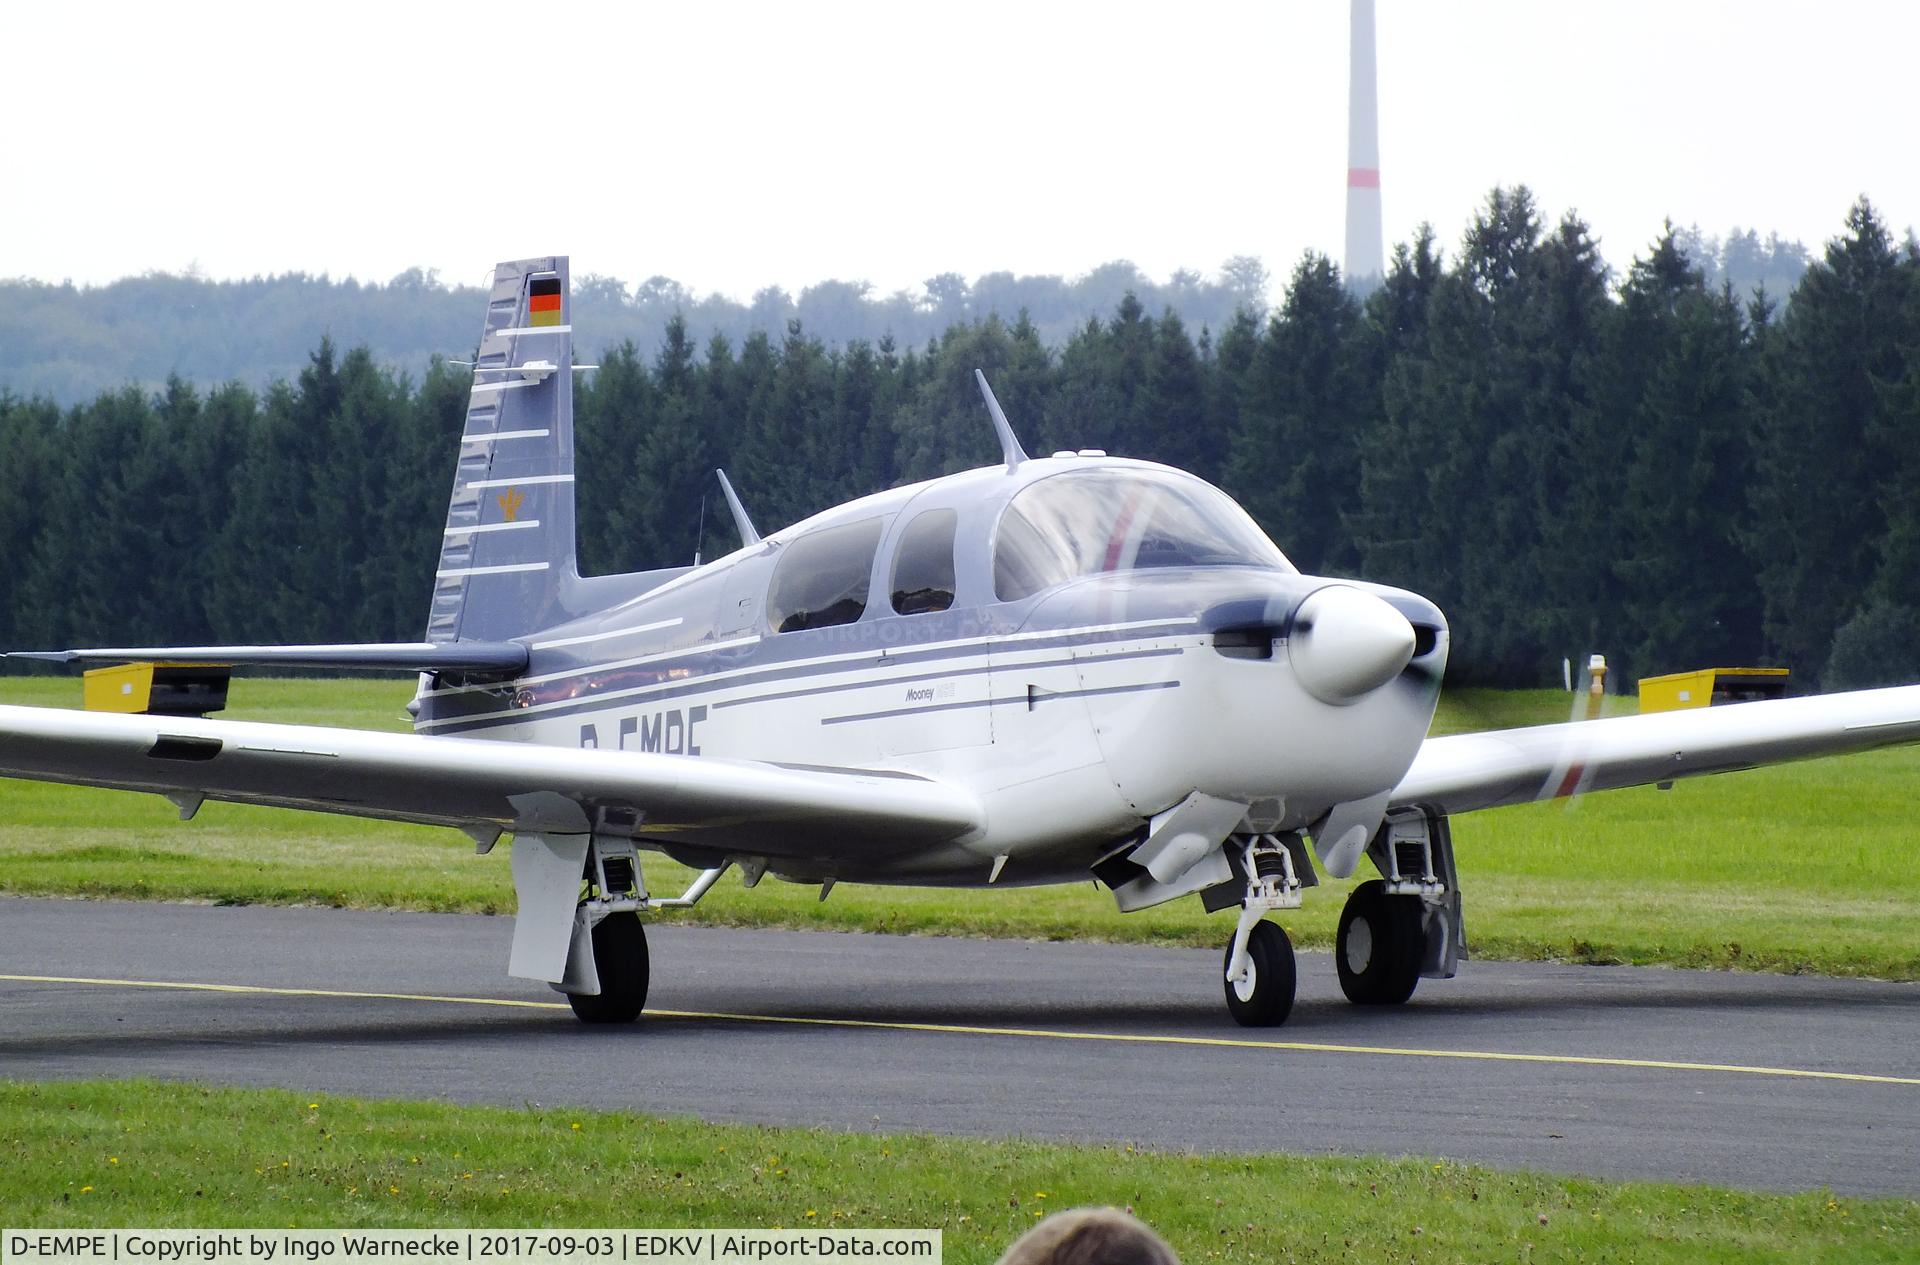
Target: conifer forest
1654,463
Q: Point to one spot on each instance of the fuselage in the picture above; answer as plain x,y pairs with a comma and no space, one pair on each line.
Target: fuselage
1112,645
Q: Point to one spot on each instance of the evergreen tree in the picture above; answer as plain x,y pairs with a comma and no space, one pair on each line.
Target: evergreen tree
420,483
860,444
942,426
85,576
356,566
614,412
1393,525
1294,462
789,401
1879,644
1479,399
1819,526
1173,412
673,469
1579,446
765,482
1680,366
28,446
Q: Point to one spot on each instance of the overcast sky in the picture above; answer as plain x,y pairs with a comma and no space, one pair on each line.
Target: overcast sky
733,146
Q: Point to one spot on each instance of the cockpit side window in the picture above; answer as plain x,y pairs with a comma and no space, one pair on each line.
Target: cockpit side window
822,578
923,564
1111,519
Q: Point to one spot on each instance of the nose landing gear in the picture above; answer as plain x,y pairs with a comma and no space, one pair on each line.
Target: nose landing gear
1259,967
1260,995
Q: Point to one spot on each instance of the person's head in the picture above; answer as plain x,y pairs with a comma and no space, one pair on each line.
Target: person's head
1090,1236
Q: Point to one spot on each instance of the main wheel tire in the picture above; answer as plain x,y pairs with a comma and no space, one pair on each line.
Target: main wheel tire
620,958
1379,947
1266,998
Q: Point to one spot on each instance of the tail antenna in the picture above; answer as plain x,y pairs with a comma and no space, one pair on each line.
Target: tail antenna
1010,447
748,536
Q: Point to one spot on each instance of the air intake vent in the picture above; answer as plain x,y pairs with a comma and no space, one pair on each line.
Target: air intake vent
1245,643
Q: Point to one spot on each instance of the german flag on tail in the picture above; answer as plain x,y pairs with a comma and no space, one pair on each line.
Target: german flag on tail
543,301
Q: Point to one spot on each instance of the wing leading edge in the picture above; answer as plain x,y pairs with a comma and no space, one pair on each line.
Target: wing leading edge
1464,772
484,787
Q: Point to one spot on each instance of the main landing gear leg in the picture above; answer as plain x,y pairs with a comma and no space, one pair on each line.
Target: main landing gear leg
1405,924
1259,965
608,967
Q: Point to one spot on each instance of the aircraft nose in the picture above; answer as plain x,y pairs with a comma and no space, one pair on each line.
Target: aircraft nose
1345,643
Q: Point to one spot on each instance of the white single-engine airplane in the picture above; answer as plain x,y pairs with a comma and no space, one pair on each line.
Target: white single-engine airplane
1043,671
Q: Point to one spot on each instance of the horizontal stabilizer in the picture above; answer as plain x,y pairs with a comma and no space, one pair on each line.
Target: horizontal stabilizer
504,657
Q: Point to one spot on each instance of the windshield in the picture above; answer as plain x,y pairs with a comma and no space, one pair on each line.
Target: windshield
1108,519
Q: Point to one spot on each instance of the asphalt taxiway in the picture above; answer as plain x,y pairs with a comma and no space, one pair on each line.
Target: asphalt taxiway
1759,1081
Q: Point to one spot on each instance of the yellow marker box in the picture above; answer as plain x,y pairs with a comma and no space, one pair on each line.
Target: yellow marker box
1677,691
163,689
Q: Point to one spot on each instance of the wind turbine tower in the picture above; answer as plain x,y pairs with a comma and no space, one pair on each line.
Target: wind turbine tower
1366,261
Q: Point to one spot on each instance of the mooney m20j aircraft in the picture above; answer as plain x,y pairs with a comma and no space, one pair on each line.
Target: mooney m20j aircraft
1045,671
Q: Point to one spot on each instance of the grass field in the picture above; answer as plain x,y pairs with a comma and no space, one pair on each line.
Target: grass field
144,1154
1807,867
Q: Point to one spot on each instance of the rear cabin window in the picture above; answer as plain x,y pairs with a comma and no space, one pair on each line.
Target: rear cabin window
822,578
923,565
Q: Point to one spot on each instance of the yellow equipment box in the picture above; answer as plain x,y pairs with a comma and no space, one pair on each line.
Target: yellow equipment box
160,689
1678,690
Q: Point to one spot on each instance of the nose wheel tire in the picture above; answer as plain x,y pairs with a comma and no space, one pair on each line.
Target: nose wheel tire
620,959
1265,997
1380,946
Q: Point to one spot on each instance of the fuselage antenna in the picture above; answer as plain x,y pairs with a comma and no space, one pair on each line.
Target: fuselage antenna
1009,446
700,541
748,536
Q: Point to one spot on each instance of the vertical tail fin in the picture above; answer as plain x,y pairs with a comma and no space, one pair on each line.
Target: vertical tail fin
508,560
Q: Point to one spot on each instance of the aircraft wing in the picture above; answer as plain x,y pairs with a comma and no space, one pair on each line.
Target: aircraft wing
1463,772
485,787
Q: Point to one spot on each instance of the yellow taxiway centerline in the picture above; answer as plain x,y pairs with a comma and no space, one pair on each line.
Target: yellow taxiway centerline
1048,1034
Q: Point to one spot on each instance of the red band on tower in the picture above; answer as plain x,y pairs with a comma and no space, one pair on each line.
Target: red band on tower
1363,177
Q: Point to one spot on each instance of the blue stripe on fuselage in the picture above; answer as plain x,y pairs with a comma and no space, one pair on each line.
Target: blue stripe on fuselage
1048,697
694,672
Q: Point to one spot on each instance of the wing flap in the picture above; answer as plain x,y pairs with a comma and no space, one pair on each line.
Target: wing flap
1464,772
473,783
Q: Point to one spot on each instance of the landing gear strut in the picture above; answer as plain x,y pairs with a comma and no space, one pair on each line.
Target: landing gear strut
608,968
1405,924
1259,967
